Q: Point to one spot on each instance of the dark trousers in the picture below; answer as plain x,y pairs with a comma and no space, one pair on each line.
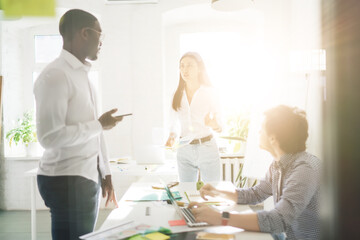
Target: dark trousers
73,203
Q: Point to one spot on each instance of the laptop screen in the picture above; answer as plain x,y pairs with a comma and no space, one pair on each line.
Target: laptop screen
173,201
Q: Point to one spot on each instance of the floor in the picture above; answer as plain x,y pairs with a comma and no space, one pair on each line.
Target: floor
16,225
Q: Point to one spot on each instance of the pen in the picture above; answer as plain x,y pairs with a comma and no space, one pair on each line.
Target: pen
187,197
214,203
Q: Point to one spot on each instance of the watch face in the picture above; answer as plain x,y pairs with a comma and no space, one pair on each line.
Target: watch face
225,214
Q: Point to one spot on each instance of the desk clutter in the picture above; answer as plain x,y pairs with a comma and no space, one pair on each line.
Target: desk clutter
130,230
144,220
135,231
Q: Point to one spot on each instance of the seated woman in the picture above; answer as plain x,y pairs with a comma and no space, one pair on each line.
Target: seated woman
293,179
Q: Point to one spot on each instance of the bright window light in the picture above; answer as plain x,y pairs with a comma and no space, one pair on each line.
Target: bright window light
47,47
308,60
236,64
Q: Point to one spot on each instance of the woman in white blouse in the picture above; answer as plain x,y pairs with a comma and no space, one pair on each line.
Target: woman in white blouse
195,105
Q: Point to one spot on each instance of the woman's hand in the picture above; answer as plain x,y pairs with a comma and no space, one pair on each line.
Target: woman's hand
171,140
204,213
208,190
210,121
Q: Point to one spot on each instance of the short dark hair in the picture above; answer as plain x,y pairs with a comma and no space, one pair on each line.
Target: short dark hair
290,127
74,20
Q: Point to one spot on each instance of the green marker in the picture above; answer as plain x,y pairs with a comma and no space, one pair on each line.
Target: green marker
187,197
199,183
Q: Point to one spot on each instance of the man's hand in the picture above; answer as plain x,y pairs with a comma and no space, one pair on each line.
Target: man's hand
204,213
108,190
107,121
208,190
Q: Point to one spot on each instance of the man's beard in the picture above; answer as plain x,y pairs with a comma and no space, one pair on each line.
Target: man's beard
93,58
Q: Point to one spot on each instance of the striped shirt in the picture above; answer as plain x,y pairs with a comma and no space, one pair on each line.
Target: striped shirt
294,182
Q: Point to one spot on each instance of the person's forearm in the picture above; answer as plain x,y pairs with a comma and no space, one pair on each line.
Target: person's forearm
104,154
217,128
247,221
172,135
228,195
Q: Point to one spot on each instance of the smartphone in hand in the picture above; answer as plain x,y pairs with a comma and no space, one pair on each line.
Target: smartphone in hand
124,115
120,117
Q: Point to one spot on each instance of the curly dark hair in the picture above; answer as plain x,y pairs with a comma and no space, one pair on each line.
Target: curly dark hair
290,127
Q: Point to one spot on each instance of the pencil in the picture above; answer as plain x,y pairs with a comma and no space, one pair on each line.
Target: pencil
214,203
187,197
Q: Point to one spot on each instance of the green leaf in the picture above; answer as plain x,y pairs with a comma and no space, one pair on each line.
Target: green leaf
25,130
237,147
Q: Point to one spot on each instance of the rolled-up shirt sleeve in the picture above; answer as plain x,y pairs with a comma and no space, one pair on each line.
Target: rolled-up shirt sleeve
52,94
105,156
298,190
257,193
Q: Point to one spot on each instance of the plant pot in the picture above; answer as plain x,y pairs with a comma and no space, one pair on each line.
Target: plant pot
239,148
32,149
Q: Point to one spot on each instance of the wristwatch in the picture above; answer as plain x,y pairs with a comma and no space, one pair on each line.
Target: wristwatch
225,218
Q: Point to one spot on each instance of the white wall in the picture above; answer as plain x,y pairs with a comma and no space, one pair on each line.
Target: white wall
306,34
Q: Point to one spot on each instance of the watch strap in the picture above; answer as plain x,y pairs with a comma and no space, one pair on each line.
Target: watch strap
225,218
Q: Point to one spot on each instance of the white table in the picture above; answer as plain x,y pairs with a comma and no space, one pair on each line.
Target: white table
161,213
128,169
32,174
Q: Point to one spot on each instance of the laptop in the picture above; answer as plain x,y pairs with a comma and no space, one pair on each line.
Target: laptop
184,212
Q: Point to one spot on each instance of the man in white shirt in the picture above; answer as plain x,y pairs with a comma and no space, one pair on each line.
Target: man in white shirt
75,163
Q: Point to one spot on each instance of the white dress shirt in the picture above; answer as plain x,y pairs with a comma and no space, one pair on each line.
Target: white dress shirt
192,116
67,121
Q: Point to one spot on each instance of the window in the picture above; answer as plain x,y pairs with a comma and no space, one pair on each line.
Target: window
47,48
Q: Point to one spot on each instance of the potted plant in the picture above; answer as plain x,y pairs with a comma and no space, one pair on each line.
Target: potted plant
25,133
238,130
242,181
